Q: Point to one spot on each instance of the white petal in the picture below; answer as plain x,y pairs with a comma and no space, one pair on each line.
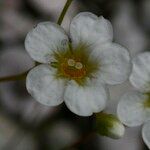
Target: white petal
115,65
146,133
84,100
90,29
44,87
117,131
44,39
140,76
131,110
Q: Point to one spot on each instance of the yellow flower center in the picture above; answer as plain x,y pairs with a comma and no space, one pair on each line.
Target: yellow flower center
75,64
73,69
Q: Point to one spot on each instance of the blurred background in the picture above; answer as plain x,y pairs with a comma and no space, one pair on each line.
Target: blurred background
27,125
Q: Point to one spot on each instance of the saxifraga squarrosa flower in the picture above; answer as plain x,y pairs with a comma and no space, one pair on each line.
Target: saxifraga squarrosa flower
75,69
134,106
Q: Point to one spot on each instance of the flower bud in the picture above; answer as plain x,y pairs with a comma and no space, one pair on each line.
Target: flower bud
109,125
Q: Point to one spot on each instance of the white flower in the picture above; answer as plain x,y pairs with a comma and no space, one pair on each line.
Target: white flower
134,106
75,71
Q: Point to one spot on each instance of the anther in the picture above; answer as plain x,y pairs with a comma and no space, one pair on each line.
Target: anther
79,65
71,62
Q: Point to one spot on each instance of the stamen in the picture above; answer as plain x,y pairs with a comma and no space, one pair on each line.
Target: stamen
79,65
71,62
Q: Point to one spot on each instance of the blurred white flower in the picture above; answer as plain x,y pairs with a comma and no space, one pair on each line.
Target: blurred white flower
53,8
12,137
128,32
134,106
76,72
10,19
48,6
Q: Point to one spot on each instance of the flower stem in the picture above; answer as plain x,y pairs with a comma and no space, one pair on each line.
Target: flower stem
62,15
14,77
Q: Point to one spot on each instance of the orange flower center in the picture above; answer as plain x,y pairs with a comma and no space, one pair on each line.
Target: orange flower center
75,64
73,69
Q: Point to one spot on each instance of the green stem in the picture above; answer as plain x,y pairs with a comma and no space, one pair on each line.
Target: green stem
62,15
14,77
23,75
